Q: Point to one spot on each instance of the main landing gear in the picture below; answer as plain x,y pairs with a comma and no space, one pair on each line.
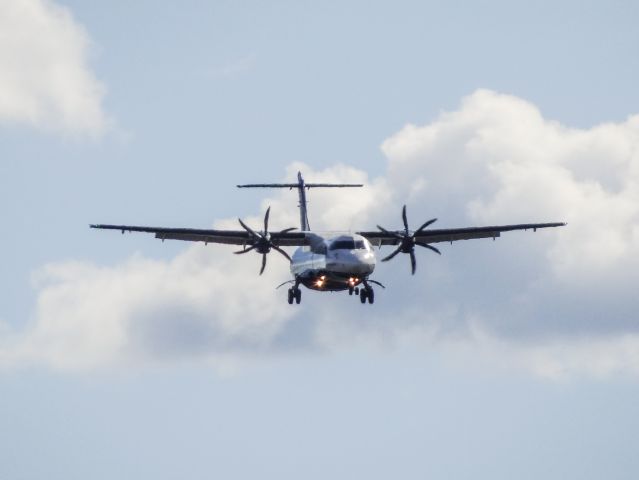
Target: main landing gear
294,293
365,291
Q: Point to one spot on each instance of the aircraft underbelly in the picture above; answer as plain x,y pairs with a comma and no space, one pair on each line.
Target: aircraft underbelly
348,268
316,273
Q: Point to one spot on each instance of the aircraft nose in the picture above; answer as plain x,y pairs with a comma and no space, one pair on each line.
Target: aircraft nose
365,261
368,259
353,262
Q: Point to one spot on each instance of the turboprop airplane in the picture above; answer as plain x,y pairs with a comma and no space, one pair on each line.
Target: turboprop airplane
335,262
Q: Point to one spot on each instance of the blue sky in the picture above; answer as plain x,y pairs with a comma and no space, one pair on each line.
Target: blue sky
131,358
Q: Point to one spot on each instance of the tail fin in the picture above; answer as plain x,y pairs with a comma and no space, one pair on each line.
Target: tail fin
301,190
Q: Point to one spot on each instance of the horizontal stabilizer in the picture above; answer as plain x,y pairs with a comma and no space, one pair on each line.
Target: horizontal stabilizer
296,185
301,187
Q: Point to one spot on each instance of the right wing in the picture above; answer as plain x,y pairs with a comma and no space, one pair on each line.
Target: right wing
229,237
451,234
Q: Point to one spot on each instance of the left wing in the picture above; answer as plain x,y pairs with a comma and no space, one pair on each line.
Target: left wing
229,237
451,234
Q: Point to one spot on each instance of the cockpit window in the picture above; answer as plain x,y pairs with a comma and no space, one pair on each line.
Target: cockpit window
343,245
348,245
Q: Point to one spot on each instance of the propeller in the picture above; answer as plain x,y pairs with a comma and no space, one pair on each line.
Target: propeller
261,241
407,241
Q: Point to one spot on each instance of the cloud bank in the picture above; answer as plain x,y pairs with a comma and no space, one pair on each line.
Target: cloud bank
45,80
558,302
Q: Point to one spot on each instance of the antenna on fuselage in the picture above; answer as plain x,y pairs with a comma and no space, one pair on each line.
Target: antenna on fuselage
301,191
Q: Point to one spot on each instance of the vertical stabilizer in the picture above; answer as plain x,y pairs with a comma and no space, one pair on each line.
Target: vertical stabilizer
301,190
302,187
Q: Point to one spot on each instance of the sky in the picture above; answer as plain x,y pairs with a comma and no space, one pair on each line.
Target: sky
126,357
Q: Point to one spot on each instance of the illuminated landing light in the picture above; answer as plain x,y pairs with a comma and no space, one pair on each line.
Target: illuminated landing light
320,281
352,281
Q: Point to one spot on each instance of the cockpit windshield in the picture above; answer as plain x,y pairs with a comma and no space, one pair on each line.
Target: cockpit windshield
348,244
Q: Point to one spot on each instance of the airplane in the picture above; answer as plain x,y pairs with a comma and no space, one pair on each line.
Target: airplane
329,262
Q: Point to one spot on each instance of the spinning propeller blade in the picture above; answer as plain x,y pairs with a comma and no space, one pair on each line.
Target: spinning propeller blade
263,263
407,241
261,241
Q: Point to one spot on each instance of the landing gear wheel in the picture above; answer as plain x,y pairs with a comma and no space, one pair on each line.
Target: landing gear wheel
298,296
290,296
350,290
371,296
362,295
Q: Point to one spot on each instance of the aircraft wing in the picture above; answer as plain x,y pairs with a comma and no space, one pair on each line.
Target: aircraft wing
451,234
229,237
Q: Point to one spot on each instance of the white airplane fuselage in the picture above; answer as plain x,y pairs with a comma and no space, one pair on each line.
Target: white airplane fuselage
332,263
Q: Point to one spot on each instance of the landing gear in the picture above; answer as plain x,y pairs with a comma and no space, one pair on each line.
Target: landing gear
367,294
294,293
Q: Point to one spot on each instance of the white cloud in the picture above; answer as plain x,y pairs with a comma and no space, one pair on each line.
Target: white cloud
558,359
45,80
557,303
203,303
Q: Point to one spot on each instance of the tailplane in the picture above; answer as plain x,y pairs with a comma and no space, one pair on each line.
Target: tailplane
301,190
